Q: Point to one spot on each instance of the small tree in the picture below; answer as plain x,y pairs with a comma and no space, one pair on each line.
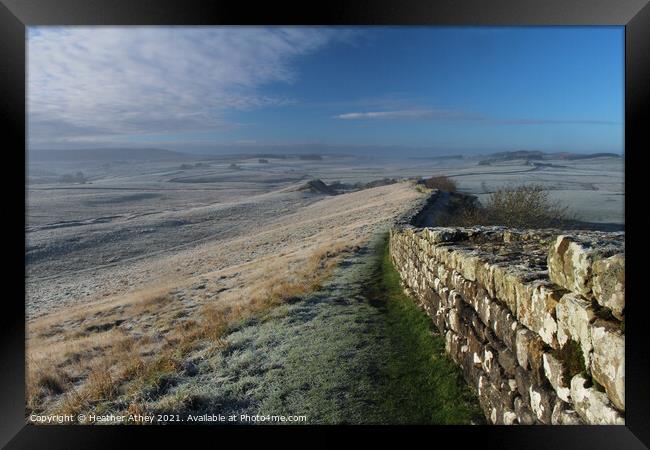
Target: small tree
528,206
525,207
443,183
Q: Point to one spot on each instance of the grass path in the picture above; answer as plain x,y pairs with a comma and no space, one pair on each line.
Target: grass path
421,384
357,351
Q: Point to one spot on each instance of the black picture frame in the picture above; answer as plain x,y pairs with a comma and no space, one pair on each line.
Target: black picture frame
16,15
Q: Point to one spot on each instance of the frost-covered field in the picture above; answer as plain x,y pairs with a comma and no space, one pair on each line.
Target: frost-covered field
131,220
148,259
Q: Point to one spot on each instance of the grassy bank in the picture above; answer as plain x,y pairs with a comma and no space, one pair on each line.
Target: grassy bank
421,383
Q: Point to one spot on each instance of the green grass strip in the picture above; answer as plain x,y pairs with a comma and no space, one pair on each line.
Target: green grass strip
423,385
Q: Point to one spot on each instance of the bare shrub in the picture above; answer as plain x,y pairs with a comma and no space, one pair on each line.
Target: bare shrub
528,206
525,207
443,183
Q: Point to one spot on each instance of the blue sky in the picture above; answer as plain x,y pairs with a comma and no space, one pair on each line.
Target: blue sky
421,90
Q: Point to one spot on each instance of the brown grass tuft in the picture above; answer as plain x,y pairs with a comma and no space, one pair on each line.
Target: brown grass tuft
100,385
73,402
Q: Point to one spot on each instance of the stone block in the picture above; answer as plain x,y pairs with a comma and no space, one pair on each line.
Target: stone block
453,343
571,258
506,283
442,254
467,314
488,360
504,325
522,340
455,299
574,316
479,328
444,295
470,369
484,310
454,322
542,400
509,417
564,415
592,405
469,289
569,264
608,361
485,277
476,348
537,311
609,284
491,366
529,349
524,414
439,319
493,340
508,362
524,382
468,265
554,370
508,392
497,402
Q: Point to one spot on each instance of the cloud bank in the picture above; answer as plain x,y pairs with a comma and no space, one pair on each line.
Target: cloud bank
90,84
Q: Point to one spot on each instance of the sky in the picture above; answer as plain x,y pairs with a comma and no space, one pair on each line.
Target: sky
412,90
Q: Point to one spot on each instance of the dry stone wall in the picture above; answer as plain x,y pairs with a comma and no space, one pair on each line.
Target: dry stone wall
534,318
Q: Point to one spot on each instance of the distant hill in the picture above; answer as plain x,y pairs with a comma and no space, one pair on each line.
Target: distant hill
107,154
534,155
518,154
317,186
572,156
439,157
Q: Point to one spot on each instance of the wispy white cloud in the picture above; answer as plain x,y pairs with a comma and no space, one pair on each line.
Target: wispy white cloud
92,83
450,114
405,114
